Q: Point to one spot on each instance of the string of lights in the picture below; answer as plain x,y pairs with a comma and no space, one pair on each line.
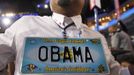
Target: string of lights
108,19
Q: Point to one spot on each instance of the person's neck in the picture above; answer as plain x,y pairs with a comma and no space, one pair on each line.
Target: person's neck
67,13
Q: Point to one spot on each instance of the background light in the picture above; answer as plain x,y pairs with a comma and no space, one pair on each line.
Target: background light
3,15
6,21
38,6
47,1
9,14
46,6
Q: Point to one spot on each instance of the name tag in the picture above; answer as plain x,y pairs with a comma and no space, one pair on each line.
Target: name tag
57,55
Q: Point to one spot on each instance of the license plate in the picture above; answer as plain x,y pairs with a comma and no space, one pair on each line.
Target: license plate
57,55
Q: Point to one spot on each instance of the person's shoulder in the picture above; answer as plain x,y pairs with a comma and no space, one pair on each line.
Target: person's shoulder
30,20
27,22
121,34
91,31
33,18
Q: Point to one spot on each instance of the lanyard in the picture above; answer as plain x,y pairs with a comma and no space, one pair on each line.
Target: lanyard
64,30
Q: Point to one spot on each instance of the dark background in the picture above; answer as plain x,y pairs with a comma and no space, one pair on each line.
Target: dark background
31,6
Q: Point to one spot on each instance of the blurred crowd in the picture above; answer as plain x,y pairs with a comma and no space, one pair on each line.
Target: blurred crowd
122,47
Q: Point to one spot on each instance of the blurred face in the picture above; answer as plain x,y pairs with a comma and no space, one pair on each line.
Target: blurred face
67,7
125,64
112,29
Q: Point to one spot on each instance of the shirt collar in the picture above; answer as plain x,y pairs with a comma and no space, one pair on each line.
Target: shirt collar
59,19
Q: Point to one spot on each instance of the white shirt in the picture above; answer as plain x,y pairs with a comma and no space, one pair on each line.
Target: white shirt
121,40
36,26
124,71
